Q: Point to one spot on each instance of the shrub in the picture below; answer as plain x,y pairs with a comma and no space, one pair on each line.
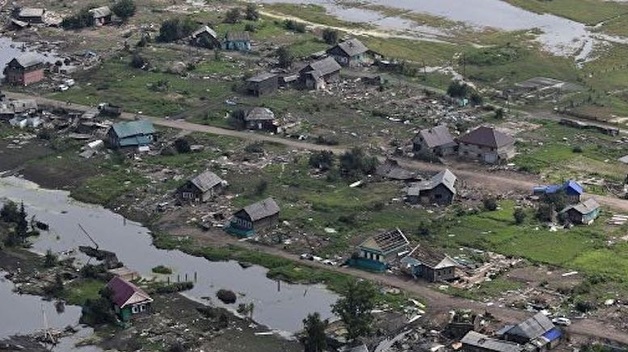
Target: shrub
355,163
458,89
251,12
577,149
226,296
294,26
490,204
519,215
50,260
137,61
254,148
250,27
161,269
330,36
175,287
81,19
175,29
124,9
285,57
182,146
323,160
326,140
233,16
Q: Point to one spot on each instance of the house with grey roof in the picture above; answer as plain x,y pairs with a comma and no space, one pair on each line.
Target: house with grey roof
102,15
31,15
205,37
476,342
351,53
538,331
131,134
253,218
201,188
237,41
260,119
377,251
582,213
426,263
262,84
24,70
317,74
487,145
440,189
435,141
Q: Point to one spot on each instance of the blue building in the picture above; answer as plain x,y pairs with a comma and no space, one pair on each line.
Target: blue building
582,213
572,190
377,251
238,41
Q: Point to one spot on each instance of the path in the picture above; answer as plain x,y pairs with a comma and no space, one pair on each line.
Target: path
470,173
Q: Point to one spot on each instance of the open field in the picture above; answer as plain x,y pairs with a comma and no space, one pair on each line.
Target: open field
590,12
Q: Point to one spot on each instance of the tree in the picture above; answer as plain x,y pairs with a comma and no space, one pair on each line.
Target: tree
330,36
354,309
251,12
323,160
182,145
519,215
81,19
233,15
499,114
489,203
236,119
458,89
50,260
175,29
476,98
137,61
314,339
285,57
124,9
355,163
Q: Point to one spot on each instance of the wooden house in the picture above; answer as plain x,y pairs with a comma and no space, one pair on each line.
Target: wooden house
131,134
435,141
351,53
260,119
253,218
440,189
537,330
430,265
31,15
102,15
205,37
377,251
201,188
487,145
24,70
262,84
317,74
582,213
238,41
129,301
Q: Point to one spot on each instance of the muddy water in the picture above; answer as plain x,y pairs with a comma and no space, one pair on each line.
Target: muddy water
560,36
282,310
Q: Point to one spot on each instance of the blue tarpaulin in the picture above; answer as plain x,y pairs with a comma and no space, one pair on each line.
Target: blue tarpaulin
553,334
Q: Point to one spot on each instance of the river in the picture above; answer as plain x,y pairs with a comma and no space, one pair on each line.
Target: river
560,36
281,310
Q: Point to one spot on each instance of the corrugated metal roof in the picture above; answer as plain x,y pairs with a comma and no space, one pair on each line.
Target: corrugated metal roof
125,293
586,207
261,77
532,327
206,181
133,128
205,29
259,114
28,60
445,177
31,12
386,242
488,137
431,258
100,12
484,342
262,209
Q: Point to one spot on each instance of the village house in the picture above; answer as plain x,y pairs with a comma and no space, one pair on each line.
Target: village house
238,41
486,144
476,342
31,15
23,106
318,73
205,37
377,251
349,53
24,70
262,84
260,119
102,15
430,265
129,301
440,189
434,141
201,188
571,189
253,218
582,213
131,134
537,333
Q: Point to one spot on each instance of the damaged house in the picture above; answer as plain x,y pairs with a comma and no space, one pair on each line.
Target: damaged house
131,134
205,37
260,119
350,53
317,74
376,252
476,342
390,169
31,15
253,218
435,141
537,333
583,213
201,188
440,189
571,189
487,145
24,70
430,265
102,15
129,300
262,84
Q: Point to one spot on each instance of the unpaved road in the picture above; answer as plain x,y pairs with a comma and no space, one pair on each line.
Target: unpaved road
494,181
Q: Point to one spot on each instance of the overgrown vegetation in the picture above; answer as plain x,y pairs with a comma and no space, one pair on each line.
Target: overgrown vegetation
79,20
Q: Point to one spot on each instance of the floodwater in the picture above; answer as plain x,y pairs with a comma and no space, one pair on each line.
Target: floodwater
282,309
10,49
559,35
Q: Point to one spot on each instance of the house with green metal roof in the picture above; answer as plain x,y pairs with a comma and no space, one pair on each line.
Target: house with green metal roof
131,134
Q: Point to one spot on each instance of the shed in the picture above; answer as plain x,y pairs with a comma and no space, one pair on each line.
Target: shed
31,15
376,251
255,217
318,73
201,188
440,189
429,264
436,141
262,84
260,119
131,134
351,52
239,41
582,213
129,300
205,37
101,15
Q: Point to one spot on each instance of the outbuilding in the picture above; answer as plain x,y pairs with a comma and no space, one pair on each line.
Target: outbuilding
262,84
201,188
582,213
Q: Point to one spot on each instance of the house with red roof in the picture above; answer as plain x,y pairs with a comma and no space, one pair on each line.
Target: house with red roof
129,300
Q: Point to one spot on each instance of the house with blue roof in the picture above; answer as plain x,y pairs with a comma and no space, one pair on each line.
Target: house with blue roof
537,333
572,190
131,134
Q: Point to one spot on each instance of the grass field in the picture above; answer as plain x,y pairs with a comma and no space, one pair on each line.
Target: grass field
589,12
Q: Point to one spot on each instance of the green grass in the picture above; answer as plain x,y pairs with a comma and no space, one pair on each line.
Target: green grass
589,12
430,53
311,13
306,47
109,186
161,269
80,290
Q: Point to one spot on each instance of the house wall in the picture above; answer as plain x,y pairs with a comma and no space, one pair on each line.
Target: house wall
438,274
34,19
266,125
267,222
24,77
262,88
238,45
486,154
371,255
515,338
134,311
470,348
440,195
112,139
332,77
189,192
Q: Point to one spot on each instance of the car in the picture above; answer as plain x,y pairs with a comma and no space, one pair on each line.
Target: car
63,87
561,321
306,256
329,262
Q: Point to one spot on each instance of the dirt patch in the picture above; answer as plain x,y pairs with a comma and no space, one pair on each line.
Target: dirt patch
534,276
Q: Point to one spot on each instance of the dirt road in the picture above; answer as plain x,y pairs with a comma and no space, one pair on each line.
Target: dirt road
493,181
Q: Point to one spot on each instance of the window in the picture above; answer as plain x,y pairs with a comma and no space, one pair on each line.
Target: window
142,307
135,310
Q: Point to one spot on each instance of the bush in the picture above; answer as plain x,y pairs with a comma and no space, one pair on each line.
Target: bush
124,9
490,204
261,187
355,164
50,260
175,29
285,57
499,114
294,26
233,16
175,287
236,119
458,89
250,27
519,215
254,148
251,12
326,140
323,160
577,149
182,146
226,296
137,61
161,269
79,20
330,36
